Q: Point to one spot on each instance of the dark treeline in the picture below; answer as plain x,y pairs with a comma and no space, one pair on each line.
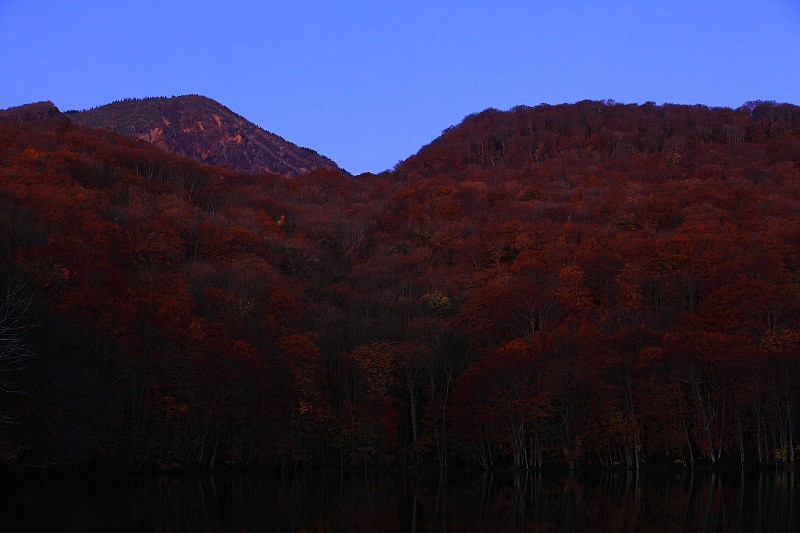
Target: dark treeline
585,284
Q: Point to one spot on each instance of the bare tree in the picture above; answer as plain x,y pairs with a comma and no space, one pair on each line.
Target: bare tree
14,325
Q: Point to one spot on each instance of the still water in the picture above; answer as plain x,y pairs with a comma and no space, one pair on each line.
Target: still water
751,501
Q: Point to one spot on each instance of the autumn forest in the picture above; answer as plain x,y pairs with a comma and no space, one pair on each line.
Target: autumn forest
580,285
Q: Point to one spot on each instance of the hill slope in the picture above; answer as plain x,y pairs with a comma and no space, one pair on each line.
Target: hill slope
30,112
591,133
204,130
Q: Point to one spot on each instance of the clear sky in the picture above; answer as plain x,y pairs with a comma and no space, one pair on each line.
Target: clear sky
368,83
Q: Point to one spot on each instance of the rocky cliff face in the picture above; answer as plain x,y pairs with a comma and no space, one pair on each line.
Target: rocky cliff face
204,130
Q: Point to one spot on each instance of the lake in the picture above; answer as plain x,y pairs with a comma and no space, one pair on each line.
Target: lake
748,501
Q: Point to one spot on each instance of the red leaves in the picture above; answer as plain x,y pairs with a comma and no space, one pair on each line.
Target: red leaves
571,291
580,276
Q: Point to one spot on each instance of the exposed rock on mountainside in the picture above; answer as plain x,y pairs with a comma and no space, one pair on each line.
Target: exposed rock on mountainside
202,129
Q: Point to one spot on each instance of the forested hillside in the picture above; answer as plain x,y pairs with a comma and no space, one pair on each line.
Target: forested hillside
583,284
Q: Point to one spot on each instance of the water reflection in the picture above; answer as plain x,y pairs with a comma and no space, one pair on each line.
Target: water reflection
470,502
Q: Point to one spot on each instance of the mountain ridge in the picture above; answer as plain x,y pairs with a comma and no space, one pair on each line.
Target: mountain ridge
192,126
203,129
30,112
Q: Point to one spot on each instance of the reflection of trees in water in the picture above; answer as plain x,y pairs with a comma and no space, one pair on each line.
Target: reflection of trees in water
447,501
623,501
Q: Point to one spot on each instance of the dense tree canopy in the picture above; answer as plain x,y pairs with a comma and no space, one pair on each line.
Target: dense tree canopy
593,283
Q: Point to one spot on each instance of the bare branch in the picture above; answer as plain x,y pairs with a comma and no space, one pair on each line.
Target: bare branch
15,324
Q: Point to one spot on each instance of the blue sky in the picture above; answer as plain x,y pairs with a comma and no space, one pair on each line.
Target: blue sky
369,83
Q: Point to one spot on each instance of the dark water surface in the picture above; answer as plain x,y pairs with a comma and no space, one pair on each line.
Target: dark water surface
751,501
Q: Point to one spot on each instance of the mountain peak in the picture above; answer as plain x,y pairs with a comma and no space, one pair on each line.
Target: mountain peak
30,112
200,128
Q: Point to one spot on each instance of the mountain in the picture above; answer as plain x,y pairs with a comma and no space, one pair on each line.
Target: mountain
576,138
30,112
591,284
204,130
